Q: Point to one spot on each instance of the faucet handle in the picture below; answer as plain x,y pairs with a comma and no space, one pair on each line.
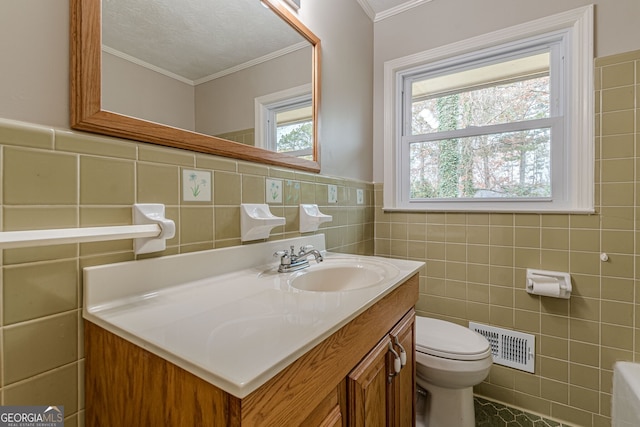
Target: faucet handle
305,248
285,259
281,253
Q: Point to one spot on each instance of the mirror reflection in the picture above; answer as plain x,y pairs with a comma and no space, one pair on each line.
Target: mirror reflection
230,69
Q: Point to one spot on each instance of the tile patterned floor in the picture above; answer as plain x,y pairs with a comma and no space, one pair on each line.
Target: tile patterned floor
492,414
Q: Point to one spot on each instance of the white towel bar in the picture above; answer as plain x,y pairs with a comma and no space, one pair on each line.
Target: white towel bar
150,231
22,239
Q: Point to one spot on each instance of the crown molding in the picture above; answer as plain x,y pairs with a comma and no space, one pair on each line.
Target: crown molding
398,9
367,9
375,17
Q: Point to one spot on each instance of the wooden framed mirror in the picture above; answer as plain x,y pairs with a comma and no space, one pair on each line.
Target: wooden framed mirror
88,112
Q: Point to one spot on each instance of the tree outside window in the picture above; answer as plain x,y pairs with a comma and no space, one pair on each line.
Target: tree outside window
503,164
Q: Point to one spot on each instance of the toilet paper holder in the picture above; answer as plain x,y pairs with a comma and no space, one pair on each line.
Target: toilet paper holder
549,283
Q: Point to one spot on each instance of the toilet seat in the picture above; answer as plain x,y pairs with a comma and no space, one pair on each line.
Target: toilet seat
449,340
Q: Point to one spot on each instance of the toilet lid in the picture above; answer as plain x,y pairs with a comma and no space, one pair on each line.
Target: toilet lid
449,340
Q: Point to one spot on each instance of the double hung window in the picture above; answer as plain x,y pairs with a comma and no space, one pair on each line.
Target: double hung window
498,128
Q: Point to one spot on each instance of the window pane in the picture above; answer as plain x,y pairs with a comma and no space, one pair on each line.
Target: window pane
510,164
294,137
506,92
294,131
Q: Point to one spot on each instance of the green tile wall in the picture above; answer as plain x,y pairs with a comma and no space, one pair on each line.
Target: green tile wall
58,178
476,262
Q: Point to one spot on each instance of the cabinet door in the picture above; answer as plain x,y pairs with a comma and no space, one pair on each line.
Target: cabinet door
368,389
403,385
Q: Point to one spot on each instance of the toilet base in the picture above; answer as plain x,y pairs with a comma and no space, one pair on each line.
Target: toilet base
446,407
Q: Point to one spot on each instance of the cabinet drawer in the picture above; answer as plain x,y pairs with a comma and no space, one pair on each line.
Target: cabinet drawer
328,413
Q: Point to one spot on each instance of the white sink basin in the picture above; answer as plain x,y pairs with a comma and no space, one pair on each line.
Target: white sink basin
342,275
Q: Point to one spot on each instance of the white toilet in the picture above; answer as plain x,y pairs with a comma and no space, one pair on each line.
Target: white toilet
450,360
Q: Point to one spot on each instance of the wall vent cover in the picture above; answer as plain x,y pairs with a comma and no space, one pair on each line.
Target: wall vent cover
509,348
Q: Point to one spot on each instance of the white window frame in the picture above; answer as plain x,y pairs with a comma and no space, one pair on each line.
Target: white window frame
575,191
266,108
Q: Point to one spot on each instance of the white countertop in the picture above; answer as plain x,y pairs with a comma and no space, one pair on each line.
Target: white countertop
235,329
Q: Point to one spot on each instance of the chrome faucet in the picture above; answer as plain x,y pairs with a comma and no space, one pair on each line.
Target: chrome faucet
290,261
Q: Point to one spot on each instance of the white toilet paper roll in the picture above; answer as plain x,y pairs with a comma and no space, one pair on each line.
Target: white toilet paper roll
547,286
554,284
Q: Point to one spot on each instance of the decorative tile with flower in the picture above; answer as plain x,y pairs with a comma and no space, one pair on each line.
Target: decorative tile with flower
196,186
273,191
332,193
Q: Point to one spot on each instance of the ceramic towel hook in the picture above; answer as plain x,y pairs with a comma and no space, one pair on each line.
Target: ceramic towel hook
311,218
256,221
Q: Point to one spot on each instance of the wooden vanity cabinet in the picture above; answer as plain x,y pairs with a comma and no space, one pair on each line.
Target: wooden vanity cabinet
377,394
126,385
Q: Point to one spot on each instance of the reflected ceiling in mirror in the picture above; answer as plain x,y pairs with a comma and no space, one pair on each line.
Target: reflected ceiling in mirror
195,39
212,58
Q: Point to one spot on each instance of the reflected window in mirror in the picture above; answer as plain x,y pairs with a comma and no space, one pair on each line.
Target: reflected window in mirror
294,132
284,122
293,129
